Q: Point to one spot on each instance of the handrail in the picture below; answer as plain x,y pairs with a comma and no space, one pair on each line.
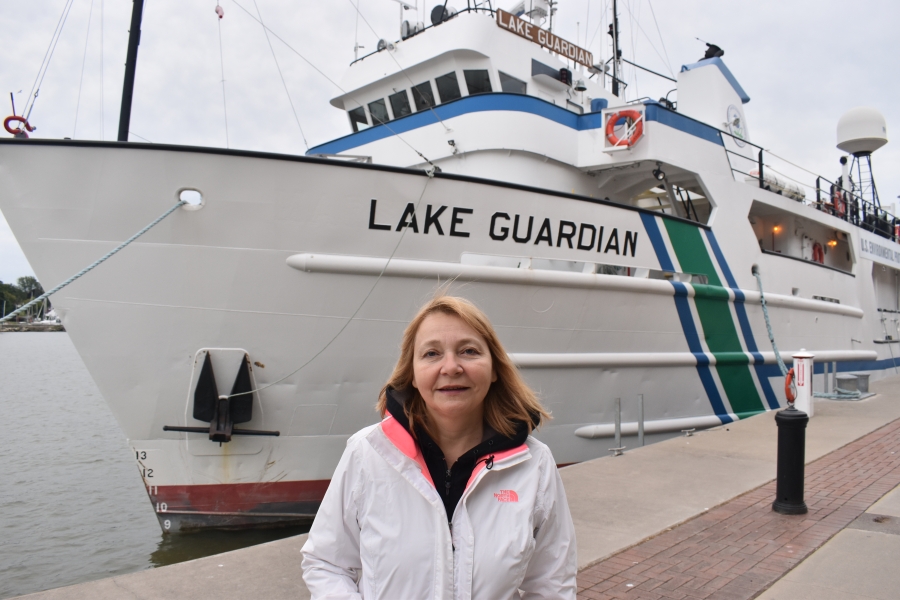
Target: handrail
857,210
648,70
470,8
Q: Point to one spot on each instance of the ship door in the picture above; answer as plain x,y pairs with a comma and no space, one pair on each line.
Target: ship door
887,300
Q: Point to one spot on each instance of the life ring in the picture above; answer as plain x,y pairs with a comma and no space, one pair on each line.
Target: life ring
635,120
818,253
19,130
789,386
838,200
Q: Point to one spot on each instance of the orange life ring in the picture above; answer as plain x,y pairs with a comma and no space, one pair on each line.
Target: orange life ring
789,386
818,253
839,206
635,119
19,130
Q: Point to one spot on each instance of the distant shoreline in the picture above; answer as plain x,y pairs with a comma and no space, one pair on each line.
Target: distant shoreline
22,327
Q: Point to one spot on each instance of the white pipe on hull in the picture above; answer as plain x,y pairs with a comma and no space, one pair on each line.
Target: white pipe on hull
666,359
398,267
661,426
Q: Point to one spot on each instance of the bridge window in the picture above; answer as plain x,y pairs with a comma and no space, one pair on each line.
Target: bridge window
378,110
400,104
511,84
448,87
478,81
423,96
358,119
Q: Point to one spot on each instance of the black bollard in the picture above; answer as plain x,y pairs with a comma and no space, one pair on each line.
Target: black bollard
791,458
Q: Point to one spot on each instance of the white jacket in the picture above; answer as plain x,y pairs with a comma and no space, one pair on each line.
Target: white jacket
381,531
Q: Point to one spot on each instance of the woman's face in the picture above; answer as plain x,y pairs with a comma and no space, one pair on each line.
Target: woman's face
452,366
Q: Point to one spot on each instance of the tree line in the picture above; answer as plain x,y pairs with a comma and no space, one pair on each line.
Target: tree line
13,295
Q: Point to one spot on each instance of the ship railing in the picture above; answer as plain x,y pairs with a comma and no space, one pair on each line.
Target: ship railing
764,169
834,198
472,6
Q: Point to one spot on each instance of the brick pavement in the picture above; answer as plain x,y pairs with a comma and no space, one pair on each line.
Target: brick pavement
738,549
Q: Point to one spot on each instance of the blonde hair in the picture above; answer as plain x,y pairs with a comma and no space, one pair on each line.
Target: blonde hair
509,399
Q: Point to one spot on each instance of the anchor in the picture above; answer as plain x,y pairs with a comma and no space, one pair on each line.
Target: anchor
223,412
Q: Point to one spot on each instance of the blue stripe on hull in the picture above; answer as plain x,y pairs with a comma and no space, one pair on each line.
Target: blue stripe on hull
860,365
652,228
693,340
763,374
511,103
741,311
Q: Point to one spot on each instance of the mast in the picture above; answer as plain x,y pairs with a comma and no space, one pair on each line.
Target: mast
614,32
134,39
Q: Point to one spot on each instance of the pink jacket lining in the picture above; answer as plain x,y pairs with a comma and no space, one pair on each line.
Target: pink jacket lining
407,445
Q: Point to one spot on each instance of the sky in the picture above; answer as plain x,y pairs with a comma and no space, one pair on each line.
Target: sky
803,64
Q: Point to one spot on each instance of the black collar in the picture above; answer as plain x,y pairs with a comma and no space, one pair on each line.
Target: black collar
491,441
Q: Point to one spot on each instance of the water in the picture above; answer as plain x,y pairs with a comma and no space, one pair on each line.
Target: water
72,505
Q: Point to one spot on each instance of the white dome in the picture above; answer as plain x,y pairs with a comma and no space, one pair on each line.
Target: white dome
861,130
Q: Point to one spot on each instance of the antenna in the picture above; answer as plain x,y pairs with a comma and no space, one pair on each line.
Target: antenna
860,132
356,45
134,36
617,54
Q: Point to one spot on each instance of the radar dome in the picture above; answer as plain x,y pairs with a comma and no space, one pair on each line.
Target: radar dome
861,131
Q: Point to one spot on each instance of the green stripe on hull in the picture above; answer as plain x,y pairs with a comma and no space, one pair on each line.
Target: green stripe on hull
713,304
691,251
740,389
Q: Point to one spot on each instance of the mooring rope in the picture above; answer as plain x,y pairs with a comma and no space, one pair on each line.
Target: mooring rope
762,300
96,263
840,394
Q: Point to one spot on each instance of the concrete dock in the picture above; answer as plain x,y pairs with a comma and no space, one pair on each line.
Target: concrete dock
686,518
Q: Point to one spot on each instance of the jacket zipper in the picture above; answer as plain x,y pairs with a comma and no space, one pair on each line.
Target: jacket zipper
503,465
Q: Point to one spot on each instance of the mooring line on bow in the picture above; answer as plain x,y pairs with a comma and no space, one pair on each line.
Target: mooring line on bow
95,264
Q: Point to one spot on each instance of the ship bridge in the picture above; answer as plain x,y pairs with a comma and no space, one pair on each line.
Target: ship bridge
474,52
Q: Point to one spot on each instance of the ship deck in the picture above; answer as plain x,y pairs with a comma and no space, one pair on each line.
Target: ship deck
686,518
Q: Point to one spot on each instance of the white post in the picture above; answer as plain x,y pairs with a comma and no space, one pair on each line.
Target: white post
803,376
618,422
640,419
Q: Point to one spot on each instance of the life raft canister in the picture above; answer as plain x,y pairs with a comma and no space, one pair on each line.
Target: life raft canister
818,253
634,119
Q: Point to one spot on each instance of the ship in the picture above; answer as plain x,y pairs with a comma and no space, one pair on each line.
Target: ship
622,249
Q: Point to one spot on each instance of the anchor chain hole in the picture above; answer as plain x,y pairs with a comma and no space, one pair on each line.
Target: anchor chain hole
192,198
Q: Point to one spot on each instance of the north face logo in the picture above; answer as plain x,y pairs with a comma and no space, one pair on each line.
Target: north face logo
507,496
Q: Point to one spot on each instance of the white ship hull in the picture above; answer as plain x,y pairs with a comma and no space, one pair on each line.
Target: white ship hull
304,263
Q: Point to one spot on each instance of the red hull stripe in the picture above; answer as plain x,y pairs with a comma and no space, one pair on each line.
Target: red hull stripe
239,497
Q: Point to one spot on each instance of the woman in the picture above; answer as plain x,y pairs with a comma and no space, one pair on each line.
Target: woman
449,496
